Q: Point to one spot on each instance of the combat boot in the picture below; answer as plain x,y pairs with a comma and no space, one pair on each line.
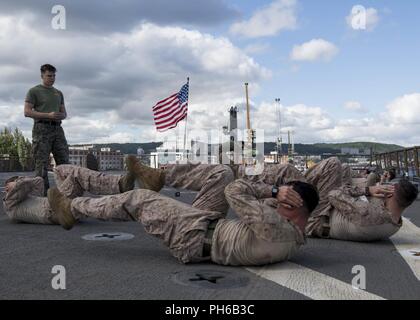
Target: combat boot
126,182
60,205
147,178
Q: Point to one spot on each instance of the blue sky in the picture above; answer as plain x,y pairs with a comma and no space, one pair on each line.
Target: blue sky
372,67
115,61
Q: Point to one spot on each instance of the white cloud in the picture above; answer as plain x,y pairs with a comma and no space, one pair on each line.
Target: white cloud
111,82
10,114
353,106
316,49
278,16
363,19
305,121
399,123
121,16
405,109
118,137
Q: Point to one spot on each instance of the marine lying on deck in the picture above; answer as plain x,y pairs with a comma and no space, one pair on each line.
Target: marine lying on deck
349,212
265,232
269,230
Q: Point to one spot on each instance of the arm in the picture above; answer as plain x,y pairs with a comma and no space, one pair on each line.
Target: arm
63,112
24,187
29,112
347,200
261,189
371,180
353,199
260,215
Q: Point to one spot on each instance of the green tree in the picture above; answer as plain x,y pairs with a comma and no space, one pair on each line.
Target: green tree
24,151
7,143
18,149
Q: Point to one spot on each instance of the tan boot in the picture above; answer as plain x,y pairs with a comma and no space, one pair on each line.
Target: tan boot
147,178
126,182
60,205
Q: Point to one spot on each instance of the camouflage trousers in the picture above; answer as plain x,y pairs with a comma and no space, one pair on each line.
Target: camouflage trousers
48,139
181,226
26,202
209,180
326,176
273,174
73,181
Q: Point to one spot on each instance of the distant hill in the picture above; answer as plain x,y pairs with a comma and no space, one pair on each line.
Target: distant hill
320,148
334,148
303,149
377,147
131,148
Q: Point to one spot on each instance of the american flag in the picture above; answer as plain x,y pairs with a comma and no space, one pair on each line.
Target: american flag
168,112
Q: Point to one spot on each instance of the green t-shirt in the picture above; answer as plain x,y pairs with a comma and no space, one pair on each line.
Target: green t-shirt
45,99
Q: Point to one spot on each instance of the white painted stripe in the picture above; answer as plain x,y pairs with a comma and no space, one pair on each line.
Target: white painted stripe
407,242
310,283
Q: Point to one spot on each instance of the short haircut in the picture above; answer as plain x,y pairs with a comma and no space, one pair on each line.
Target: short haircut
392,174
11,179
48,67
406,193
307,192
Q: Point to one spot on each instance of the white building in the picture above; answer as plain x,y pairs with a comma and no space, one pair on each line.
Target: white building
78,157
107,159
167,153
110,160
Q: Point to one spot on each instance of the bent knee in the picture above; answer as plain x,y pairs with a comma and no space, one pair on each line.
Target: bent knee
236,186
333,162
145,193
225,172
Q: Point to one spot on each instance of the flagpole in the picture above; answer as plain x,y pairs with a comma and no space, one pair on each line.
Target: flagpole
186,116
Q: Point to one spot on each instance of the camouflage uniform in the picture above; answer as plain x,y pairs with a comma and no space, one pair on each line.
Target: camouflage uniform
47,135
372,179
181,226
344,212
45,139
26,202
209,180
72,181
273,174
260,236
